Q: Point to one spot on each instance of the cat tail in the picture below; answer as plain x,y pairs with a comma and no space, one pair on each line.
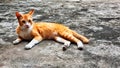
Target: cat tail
81,37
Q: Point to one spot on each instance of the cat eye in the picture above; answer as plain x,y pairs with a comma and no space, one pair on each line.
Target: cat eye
29,20
23,21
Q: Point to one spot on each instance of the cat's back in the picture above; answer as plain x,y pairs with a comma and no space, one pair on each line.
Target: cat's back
49,30
46,25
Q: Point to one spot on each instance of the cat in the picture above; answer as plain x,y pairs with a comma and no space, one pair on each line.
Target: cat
36,32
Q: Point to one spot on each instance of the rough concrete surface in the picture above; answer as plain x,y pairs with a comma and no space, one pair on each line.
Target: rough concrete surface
98,20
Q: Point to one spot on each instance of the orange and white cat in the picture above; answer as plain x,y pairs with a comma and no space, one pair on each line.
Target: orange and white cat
36,32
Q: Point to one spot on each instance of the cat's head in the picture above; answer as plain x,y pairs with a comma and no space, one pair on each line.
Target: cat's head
25,20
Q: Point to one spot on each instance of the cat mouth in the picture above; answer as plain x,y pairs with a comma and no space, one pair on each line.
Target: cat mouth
26,26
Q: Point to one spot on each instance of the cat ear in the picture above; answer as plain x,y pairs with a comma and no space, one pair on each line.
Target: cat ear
31,12
18,15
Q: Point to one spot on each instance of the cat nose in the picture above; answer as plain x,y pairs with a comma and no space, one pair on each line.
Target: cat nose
27,26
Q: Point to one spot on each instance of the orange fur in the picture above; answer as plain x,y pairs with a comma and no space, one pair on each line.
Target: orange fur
44,30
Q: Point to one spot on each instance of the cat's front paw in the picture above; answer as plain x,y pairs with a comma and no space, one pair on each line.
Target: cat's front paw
27,47
15,42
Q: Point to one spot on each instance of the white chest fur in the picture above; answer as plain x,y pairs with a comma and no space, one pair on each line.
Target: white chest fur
26,34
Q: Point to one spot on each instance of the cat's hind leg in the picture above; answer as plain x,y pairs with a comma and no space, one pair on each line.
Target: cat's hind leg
72,38
64,41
